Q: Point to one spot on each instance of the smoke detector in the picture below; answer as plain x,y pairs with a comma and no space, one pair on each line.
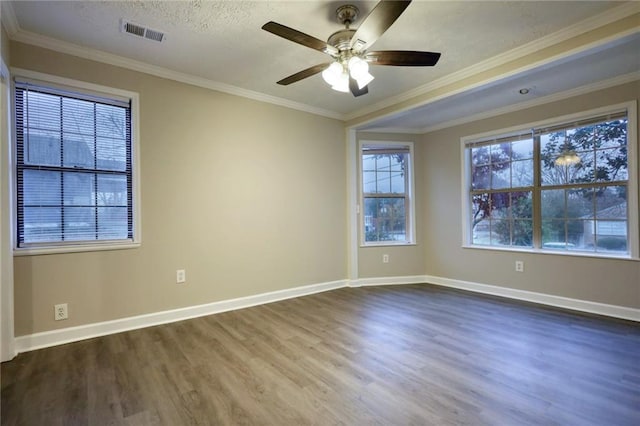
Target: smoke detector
141,31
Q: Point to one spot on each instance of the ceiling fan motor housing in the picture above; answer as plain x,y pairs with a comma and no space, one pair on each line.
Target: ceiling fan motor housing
341,39
347,14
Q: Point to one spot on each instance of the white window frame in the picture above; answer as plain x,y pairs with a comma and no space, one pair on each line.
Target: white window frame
409,194
53,81
632,167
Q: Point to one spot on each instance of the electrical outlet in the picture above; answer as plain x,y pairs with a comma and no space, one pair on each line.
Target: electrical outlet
60,312
385,258
519,266
181,276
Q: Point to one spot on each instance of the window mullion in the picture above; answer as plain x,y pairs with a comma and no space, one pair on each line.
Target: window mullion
95,167
62,212
537,194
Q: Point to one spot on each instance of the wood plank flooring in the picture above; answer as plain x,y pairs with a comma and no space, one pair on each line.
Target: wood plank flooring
399,355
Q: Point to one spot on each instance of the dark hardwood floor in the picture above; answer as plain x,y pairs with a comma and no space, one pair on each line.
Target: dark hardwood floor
399,355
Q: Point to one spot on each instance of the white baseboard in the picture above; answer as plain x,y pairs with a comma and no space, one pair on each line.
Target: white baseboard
615,311
407,279
73,334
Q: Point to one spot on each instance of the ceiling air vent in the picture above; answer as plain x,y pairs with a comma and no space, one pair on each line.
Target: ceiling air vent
141,31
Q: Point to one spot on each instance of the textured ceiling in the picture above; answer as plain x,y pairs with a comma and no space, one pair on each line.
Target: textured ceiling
222,41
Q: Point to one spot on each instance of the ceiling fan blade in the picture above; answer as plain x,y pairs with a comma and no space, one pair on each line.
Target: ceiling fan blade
353,86
383,15
405,58
299,37
304,74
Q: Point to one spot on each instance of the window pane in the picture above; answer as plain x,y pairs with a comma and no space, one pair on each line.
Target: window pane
111,153
554,234
397,183
611,235
79,189
582,172
397,162
500,205
522,233
111,121
611,134
521,150
42,224
481,231
112,190
78,117
553,204
79,223
481,177
78,151
41,148
480,155
384,219
383,182
41,188
522,173
368,162
500,152
500,175
611,164
500,233
369,182
506,221
383,163
112,223
43,111
521,204
576,235
580,203
611,203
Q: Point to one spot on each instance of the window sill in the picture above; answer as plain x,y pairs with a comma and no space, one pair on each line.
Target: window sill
555,252
388,244
77,248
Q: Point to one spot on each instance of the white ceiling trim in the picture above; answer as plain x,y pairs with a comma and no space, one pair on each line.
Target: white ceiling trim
582,90
567,33
120,61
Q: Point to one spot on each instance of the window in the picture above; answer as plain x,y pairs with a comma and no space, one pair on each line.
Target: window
74,168
387,213
561,187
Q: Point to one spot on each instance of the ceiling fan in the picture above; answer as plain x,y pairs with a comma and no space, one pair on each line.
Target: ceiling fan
349,69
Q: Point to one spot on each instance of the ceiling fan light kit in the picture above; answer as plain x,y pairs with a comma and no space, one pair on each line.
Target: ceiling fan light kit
349,69
337,74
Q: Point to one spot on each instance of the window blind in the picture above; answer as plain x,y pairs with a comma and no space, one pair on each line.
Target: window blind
74,167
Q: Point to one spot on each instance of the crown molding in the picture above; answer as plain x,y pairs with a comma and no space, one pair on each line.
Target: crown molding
9,19
567,33
548,61
559,96
131,64
396,130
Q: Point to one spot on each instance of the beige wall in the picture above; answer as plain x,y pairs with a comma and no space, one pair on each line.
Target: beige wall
4,45
403,260
607,281
246,196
